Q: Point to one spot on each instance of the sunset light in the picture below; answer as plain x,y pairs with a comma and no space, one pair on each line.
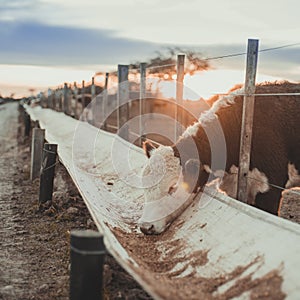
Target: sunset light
149,149
206,83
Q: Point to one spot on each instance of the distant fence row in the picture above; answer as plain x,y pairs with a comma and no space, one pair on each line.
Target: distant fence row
110,108
92,104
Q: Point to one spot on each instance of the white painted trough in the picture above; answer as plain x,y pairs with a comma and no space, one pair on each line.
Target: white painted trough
218,248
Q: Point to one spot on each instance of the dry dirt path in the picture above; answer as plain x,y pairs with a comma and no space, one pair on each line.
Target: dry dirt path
34,242
13,265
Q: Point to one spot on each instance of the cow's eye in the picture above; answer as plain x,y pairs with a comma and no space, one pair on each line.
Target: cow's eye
172,189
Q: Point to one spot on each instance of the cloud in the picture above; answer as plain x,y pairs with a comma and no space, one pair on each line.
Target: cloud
41,44
33,43
17,4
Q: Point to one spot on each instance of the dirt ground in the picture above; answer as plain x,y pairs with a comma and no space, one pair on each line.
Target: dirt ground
34,241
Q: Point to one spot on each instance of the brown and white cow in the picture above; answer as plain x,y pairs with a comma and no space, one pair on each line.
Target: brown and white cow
275,144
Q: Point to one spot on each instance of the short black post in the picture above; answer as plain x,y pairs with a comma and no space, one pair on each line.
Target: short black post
27,123
87,258
47,172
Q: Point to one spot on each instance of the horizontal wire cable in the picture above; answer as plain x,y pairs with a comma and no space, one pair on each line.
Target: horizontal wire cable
213,58
50,167
49,151
225,56
161,66
272,185
279,47
263,95
244,53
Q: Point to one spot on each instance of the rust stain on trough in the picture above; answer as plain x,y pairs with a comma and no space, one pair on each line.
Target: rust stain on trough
163,260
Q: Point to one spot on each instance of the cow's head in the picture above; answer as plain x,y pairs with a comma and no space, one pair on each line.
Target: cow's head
161,173
167,184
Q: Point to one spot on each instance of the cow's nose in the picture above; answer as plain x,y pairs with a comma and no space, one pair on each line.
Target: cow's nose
147,228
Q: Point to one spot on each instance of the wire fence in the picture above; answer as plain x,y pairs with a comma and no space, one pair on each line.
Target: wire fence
163,66
83,94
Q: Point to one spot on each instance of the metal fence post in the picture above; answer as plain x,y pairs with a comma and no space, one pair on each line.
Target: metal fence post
247,119
93,103
179,95
142,102
54,94
83,96
87,259
66,100
123,97
93,89
49,99
105,101
76,100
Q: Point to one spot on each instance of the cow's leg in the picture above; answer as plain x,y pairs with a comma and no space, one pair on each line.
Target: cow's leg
269,201
273,161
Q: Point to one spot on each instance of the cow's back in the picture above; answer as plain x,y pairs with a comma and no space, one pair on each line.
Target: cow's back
276,135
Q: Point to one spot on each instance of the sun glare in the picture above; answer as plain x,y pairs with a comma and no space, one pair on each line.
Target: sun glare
198,85
205,84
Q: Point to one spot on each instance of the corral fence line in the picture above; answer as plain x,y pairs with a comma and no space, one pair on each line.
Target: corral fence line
83,256
87,249
74,102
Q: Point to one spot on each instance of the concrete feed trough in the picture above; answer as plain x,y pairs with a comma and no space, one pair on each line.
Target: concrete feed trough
217,248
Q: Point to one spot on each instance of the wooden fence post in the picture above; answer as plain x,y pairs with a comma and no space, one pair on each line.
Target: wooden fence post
61,97
76,100
83,96
49,99
93,103
59,100
105,101
37,145
179,94
93,89
66,99
247,119
123,97
47,172
45,99
142,102
87,259
54,99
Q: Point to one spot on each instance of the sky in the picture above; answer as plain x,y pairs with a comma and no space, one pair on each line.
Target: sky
47,42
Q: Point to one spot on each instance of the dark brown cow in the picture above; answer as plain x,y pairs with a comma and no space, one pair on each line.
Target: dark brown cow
275,144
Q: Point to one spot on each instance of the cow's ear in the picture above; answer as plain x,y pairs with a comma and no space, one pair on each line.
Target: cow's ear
192,167
148,147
